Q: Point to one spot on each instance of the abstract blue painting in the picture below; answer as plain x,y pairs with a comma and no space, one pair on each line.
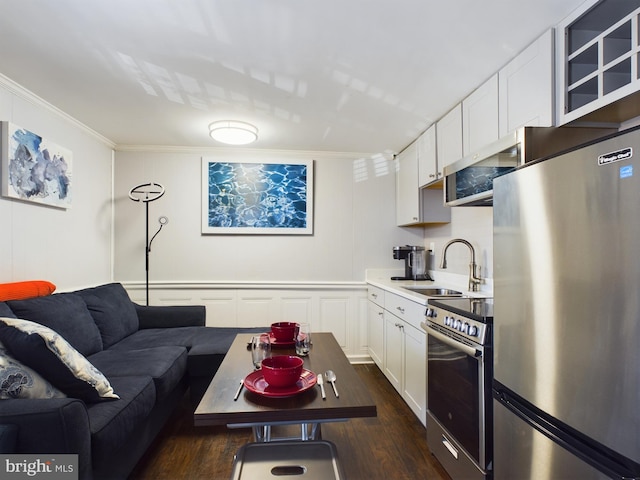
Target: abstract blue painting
257,197
34,169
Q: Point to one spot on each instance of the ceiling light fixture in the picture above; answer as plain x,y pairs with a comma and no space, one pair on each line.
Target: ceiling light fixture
233,132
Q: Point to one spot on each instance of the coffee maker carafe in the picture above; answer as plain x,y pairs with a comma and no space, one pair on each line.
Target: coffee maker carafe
415,262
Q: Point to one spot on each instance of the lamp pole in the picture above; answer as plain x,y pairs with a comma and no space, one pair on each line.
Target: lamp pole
146,193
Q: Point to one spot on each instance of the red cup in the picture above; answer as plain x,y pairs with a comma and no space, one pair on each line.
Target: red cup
282,370
285,331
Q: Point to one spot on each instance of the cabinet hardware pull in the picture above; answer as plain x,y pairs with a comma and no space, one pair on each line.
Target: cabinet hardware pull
374,295
400,309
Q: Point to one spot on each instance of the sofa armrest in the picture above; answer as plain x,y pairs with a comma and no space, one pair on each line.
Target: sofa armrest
55,425
171,316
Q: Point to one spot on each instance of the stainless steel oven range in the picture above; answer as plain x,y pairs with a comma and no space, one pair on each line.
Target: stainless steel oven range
459,376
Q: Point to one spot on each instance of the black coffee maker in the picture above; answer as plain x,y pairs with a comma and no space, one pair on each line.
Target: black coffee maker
415,262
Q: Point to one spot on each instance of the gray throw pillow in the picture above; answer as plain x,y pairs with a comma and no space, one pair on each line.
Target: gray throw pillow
19,381
55,359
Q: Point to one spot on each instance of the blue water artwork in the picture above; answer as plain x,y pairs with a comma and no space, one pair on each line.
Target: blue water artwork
257,197
34,169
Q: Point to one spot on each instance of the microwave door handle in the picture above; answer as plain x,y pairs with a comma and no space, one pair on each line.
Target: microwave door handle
472,352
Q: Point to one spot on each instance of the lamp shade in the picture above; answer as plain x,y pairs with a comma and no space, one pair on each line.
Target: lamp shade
233,132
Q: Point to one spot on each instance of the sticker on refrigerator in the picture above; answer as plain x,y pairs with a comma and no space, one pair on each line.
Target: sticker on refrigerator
616,156
626,171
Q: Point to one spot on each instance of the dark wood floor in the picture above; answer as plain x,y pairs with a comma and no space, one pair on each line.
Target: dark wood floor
390,446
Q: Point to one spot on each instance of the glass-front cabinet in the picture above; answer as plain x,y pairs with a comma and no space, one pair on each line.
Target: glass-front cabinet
599,47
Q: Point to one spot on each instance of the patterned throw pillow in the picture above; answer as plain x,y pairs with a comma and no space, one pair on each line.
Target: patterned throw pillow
19,381
51,356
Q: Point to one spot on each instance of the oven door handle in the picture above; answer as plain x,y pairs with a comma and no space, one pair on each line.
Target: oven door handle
472,352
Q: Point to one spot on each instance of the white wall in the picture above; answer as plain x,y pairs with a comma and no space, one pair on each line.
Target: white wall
71,248
354,223
474,224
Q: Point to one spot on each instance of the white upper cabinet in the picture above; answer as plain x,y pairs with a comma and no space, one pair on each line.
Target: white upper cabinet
415,205
597,57
427,158
526,87
480,117
407,188
449,137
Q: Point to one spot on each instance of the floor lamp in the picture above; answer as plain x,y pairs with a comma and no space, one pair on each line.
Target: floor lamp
147,193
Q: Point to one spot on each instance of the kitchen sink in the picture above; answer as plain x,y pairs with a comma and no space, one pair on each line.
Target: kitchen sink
433,291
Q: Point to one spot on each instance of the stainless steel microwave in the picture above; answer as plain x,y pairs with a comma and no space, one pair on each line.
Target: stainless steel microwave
469,181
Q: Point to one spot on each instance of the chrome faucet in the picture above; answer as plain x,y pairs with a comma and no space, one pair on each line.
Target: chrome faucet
474,280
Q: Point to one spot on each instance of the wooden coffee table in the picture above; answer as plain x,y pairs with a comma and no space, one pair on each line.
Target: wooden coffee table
308,409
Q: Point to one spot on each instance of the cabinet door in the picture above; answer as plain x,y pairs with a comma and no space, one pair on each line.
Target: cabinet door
427,157
375,333
393,350
480,117
597,62
526,87
407,191
449,137
415,371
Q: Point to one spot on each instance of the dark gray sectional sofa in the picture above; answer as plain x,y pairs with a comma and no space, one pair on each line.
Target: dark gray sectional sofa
150,356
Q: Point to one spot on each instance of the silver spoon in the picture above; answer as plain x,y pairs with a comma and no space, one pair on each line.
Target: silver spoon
331,377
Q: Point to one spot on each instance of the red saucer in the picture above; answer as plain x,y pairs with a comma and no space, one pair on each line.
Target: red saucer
255,382
280,343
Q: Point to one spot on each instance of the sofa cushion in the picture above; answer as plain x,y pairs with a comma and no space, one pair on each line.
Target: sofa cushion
112,310
67,314
23,290
217,339
55,359
5,311
166,365
113,423
19,381
8,438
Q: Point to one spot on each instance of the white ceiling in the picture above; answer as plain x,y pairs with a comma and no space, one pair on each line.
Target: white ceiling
330,75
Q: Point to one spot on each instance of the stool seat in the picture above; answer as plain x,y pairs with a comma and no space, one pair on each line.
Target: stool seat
311,460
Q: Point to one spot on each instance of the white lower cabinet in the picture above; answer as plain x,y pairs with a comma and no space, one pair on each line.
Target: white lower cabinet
375,333
396,327
415,370
394,350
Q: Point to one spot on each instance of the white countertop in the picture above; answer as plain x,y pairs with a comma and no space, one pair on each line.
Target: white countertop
382,279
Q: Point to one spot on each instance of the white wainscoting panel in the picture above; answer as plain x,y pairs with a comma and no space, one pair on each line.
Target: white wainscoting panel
340,309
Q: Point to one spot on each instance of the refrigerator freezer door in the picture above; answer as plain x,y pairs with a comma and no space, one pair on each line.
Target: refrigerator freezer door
566,282
522,452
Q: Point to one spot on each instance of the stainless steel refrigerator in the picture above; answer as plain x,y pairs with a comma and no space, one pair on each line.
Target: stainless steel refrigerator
566,390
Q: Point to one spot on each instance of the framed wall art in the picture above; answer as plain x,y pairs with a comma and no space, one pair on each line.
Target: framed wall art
257,197
34,169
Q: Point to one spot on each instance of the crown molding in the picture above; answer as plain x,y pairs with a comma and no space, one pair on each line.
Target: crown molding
34,99
239,151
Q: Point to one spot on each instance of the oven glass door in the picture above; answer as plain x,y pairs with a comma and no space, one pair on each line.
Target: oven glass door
454,385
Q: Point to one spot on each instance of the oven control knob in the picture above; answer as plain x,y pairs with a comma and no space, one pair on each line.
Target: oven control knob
458,325
473,330
448,321
466,328
430,313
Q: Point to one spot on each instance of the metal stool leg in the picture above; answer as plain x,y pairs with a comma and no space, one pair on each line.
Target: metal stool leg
262,433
